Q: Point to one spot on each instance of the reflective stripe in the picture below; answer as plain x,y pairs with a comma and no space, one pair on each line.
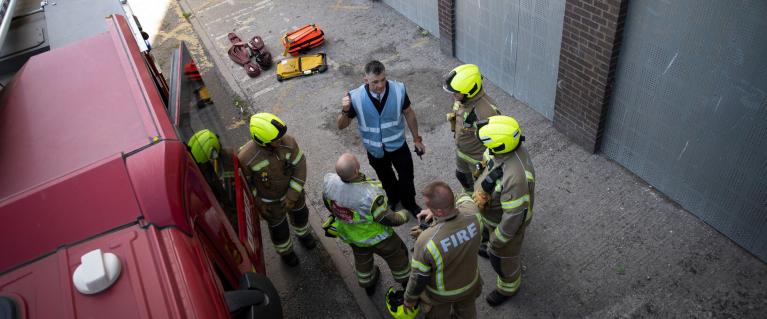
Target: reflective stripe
508,287
373,240
500,235
370,129
389,124
365,277
402,273
529,176
443,292
464,198
437,263
260,165
357,104
377,212
296,186
489,223
498,186
287,155
300,231
466,158
284,247
269,200
298,158
372,143
479,220
227,174
418,265
393,137
515,202
374,183
254,192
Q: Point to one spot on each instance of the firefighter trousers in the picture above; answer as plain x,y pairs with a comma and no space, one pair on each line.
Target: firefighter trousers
466,170
278,219
392,250
506,261
464,309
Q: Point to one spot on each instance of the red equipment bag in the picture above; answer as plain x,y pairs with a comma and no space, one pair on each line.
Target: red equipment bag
303,39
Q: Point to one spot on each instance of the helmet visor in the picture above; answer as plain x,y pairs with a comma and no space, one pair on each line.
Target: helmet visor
449,78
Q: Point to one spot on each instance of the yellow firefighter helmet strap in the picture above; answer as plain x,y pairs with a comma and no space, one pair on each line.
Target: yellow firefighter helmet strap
464,79
204,146
266,127
500,134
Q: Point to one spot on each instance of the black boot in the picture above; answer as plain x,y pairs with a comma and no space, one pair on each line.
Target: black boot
496,298
308,241
483,250
370,290
290,259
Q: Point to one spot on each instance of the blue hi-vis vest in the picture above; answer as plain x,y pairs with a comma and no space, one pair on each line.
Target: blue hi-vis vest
385,130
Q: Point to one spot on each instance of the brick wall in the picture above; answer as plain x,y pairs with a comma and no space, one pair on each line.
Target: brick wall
447,26
591,40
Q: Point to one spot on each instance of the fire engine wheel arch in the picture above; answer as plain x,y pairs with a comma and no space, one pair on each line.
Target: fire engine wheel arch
255,298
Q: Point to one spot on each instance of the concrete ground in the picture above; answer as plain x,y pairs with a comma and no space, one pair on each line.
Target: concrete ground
602,244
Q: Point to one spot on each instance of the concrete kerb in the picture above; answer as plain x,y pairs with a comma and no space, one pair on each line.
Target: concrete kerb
342,264
218,63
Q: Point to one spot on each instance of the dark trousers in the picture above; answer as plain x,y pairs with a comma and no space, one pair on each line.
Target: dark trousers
397,189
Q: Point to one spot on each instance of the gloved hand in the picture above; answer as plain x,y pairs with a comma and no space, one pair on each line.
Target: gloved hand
288,204
451,119
480,198
415,231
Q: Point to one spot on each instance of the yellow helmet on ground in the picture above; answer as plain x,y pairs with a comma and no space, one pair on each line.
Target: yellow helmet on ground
266,127
204,146
395,303
464,79
500,134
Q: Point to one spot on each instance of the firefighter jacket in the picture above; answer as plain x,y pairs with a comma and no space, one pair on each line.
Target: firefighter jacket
359,208
467,114
276,172
509,179
444,263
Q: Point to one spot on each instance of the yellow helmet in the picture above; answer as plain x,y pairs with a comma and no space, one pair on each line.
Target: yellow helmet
204,146
395,303
266,127
464,79
500,134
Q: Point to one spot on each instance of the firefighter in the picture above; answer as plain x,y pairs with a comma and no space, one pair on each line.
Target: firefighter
505,195
217,166
471,105
361,217
445,274
276,170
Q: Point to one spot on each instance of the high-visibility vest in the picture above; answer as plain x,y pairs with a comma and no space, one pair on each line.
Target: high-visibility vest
352,204
384,131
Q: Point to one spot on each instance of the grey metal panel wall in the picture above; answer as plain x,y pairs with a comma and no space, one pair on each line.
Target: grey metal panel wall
689,110
423,12
516,45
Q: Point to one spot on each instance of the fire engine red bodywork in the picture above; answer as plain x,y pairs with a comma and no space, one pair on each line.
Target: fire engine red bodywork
90,161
